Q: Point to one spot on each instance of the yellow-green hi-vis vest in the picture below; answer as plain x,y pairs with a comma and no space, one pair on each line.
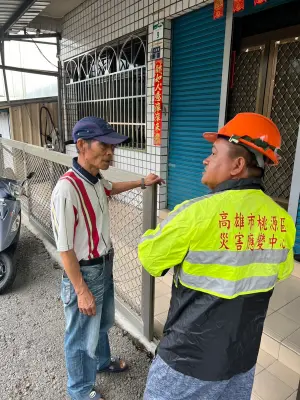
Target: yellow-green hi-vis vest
226,244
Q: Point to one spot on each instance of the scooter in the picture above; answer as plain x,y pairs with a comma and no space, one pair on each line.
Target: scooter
10,225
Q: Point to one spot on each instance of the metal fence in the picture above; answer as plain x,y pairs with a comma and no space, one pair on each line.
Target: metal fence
131,214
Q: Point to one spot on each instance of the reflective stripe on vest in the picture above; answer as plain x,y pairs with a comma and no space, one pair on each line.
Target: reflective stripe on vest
225,288
237,258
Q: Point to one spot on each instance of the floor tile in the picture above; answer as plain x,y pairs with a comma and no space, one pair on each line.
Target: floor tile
293,396
285,374
255,397
285,292
269,387
296,271
289,358
270,345
293,341
161,289
162,318
161,304
258,369
168,279
279,326
265,359
292,310
270,311
158,327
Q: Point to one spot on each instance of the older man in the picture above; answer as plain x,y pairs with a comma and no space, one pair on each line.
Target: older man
228,248
80,222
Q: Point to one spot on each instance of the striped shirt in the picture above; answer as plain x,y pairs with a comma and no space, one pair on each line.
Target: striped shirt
79,213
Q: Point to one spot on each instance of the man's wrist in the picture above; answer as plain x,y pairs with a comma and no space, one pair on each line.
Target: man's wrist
80,288
143,185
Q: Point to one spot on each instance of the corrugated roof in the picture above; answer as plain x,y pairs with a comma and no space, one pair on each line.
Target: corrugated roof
9,9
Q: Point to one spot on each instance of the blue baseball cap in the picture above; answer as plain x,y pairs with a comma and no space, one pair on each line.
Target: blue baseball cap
93,128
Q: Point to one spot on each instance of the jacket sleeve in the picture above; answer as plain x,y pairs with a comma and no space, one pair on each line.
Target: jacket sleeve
167,245
286,269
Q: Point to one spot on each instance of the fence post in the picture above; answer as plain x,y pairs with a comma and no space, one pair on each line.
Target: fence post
148,288
28,185
1,159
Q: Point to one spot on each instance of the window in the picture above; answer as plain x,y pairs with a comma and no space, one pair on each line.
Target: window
110,82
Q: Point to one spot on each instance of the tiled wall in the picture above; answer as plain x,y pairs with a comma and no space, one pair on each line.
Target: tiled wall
95,23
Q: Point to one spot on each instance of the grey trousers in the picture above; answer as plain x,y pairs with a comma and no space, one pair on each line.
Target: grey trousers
164,383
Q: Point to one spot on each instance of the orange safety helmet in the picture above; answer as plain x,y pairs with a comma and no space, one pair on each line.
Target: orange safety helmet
254,131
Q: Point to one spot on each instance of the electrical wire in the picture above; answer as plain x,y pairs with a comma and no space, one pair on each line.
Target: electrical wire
43,54
44,134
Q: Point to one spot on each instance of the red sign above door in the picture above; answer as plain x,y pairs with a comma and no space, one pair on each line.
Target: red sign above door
238,5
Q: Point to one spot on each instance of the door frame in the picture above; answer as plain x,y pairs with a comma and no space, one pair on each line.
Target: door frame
265,82
266,88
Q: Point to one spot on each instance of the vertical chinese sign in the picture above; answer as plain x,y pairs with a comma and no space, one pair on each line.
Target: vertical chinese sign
218,9
158,90
257,2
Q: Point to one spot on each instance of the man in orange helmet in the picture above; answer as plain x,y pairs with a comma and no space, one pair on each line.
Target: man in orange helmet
229,249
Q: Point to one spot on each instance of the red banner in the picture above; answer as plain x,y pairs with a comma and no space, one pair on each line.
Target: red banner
238,5
218,9
158,93
257,2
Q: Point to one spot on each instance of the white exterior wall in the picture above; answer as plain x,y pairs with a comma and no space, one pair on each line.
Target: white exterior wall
96,23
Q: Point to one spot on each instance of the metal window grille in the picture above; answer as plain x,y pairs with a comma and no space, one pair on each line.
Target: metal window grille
110,83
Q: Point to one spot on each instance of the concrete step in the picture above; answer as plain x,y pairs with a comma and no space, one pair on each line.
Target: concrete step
281,337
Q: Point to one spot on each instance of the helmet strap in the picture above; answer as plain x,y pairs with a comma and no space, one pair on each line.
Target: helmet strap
258,156
257,142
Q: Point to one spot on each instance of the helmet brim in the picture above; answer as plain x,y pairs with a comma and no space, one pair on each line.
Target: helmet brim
210,136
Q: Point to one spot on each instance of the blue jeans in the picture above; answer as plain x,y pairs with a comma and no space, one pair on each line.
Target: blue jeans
164,383
87,347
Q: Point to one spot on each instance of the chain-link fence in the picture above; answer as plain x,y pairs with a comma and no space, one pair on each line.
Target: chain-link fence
126,213
128,218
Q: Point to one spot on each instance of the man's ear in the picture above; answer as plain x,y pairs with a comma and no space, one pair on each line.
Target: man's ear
239,165
80,145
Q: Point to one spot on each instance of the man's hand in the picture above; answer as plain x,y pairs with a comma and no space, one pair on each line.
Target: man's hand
85,299
120,187
86,302
152,179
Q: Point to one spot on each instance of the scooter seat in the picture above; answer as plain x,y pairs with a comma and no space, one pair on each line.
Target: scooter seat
5,194
5,191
